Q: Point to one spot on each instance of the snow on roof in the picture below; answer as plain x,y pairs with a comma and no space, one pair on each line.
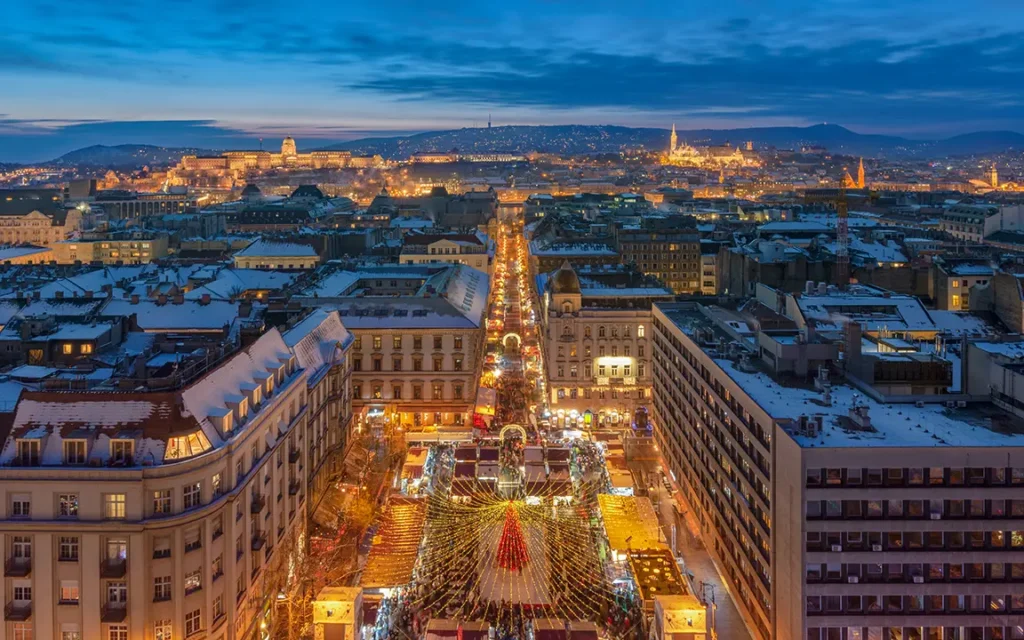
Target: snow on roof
10,253
79,332
284,249
960,323
887,252
211,394
972,270
897,425
230,282
571,249
793,225
868,306
1014,350
316,338
31,372
189,315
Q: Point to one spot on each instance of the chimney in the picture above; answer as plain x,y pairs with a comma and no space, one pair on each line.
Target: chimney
35,294
205,299
809,288
135,298
822,288
59,295
88,295
161,299
179,299
244,309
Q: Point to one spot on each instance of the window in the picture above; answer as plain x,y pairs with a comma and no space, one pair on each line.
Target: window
193,581
396,392
458,391
70,632
378,392
216,484
437,342
74,452
438,389
218,608
67,549
118,632
67,348
68,505
162,502
458,342
457,363
28,453
114,506
417,392
162,630
396,342
357,364
190,495
21,506
438,364
396,364
68,592
417,343
161,588
193,623
217,568
121,451
22,631
86,349
377,342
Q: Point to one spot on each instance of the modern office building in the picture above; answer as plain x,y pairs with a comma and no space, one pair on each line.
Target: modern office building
834,516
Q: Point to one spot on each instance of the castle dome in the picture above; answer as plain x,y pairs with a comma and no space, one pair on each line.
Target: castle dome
565,280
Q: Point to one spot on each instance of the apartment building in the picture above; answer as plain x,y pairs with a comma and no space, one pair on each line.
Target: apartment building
36,216
419,333
117,248
167,514
453,248
667,250
833,516
596,328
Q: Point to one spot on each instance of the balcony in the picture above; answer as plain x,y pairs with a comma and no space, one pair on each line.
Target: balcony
259,501
113,568
114,612
294,455
259,539
18,611
17,567
293,487
567,338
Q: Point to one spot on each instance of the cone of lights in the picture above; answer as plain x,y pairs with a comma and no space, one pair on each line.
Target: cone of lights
512,553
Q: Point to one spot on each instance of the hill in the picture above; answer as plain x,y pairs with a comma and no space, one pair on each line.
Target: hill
125,156
605,138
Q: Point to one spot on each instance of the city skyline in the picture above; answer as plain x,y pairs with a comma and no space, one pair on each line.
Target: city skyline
213,78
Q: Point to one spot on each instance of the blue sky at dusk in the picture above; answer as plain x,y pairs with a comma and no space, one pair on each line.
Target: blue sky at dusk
221,74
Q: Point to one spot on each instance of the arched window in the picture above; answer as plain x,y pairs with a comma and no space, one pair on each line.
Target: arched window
639,330
566,307
586,332
600,332
566,330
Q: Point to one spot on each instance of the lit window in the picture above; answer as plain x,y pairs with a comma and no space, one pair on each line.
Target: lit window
191,495
67,348
114,506
68,503
640,331
86,349
162,502
69,592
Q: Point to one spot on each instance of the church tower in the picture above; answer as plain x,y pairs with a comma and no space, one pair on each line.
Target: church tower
860,174
993,177
673,140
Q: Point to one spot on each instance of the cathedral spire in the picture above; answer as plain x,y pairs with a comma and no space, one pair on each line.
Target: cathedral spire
673,139
993,177
860,174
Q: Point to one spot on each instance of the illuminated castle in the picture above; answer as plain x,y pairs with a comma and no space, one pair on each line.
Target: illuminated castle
233,165
714,157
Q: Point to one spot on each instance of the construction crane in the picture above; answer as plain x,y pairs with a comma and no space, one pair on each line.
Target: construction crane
842,241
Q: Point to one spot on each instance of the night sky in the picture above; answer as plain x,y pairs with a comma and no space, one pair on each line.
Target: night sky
220,74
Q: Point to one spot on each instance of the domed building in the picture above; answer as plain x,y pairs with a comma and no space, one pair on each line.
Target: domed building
288,148
566,295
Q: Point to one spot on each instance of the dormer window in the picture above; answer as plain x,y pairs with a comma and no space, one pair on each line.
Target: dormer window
74,452
28,453
122,452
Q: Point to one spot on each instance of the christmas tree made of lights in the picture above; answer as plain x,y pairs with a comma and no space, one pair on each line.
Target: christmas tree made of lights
512,553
